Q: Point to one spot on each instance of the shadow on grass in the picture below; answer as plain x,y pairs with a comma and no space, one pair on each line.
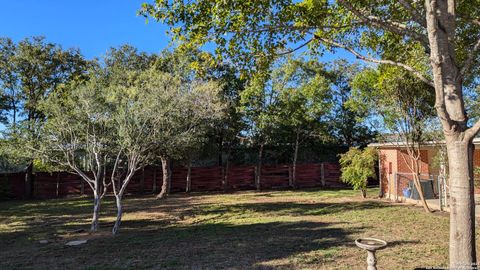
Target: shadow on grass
212,243
209,246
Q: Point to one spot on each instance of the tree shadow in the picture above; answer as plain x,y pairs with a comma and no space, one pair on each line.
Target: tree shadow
149,242
223,245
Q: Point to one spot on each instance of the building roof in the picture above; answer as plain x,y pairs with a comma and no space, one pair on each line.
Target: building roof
476,141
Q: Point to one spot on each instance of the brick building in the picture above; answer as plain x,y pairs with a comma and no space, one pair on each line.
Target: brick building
395,174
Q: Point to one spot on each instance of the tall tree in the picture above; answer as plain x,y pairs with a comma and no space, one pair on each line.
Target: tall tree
404,105
31,70
190,109
376,31
346,125
258,104
303,102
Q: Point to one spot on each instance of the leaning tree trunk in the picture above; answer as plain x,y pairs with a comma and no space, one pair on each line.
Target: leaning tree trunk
418,185
258,178
166,178
118,220
96,209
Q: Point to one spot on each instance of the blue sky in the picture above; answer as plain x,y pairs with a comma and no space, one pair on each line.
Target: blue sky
92,26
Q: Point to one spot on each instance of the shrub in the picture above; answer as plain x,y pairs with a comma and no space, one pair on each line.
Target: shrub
357,166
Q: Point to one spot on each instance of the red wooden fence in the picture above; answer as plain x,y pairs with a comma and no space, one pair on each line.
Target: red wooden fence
61,184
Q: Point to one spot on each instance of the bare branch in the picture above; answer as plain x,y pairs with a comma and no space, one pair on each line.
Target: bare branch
386,24
295,49
470,59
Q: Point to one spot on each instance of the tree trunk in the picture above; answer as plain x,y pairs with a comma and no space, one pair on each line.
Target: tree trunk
258,179
14,117
418,185
227,168
165,179
116,226
364,193
189,176
449,103
29,181
96,210
220,151
295,157
462,205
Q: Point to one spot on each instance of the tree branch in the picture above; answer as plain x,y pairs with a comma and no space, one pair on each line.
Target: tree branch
470,59
417,17
415,72
295,49
389,25
472,132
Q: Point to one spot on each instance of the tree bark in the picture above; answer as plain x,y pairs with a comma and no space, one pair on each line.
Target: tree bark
118,221
189,176
449,103
462,205
258,178
165,179
96,210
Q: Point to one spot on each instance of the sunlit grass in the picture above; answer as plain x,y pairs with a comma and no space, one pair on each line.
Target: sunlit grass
288,229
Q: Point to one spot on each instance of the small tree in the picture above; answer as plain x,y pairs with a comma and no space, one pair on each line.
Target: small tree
357,166
78,136
189,109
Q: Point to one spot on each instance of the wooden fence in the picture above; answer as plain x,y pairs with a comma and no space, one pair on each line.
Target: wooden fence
149,180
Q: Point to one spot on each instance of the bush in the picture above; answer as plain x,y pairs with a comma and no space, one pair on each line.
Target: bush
357,166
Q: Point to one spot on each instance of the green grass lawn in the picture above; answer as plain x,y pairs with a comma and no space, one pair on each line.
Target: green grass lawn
305,229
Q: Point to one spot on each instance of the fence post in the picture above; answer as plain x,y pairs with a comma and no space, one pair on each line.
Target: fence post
322,174
395,185
58,183
82,187
142,181
154,188
290,176
255,172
